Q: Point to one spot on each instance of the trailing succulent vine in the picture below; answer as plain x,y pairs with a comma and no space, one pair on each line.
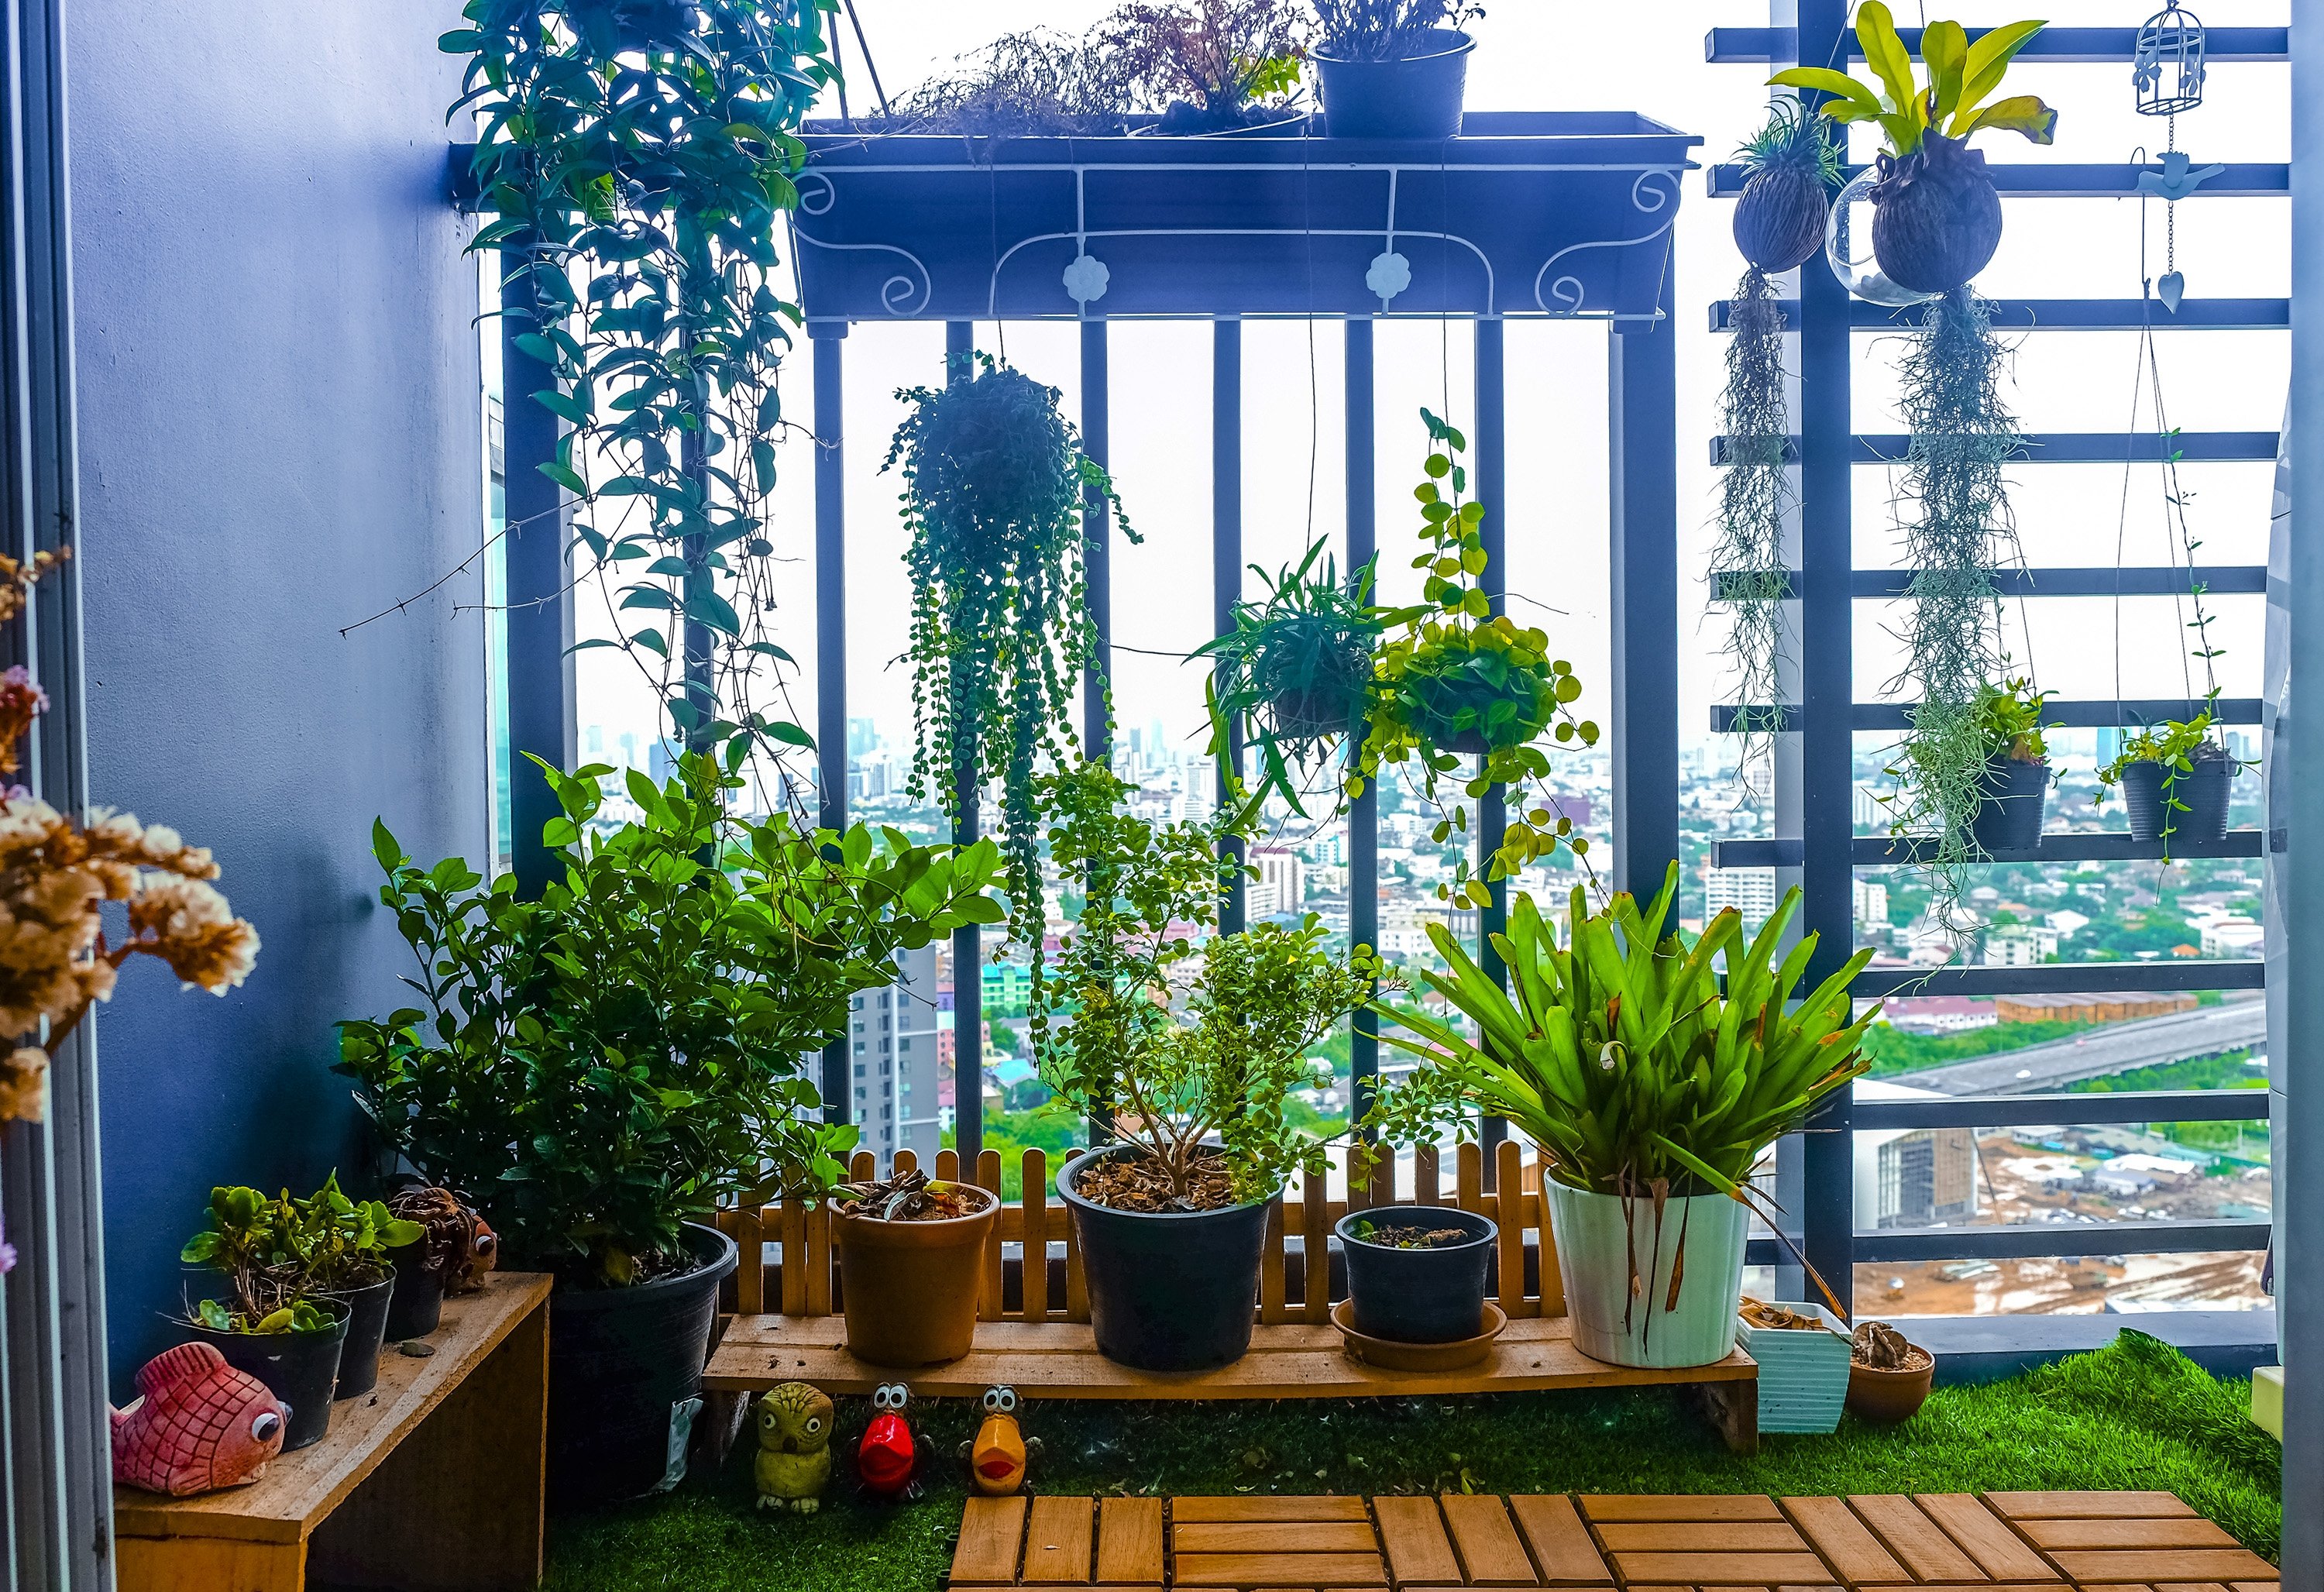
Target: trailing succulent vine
996,495
636,154
1958,533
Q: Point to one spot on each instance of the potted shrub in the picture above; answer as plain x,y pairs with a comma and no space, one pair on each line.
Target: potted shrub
1936,217
1888,1378
1296,670
606,1066
911,1263
345,1250
269,1324
1416,1272
1650,1094
1393,69
2015,785
1187,1052
2175,779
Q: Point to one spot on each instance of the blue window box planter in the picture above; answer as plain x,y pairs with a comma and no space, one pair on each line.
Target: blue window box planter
1802,1371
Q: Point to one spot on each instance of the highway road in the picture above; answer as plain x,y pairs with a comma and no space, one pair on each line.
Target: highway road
2117,1047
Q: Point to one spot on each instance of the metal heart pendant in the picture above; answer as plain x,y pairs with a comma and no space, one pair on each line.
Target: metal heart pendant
2170,287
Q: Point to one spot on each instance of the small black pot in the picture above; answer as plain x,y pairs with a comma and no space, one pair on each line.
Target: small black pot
1174,1291
1418,96
366,1332
620,1360
418,1304
1418,1295
2204,789
1936,217
298,1369
2011,797
1779,220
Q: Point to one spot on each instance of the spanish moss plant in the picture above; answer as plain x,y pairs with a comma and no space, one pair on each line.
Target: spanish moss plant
1956,532
1748,566
996,494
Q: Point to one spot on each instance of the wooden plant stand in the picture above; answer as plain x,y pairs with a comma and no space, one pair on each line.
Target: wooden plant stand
1043,1346
432,1482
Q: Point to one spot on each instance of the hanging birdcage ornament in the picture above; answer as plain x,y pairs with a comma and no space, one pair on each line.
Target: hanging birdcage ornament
2167,65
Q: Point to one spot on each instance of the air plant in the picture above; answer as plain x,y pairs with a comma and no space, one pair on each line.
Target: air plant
1795,167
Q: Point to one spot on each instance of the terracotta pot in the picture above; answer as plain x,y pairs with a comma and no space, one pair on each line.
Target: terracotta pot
1888,1397
911,1287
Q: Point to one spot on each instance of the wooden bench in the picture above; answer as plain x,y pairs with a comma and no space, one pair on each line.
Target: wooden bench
1038,1340
432,1482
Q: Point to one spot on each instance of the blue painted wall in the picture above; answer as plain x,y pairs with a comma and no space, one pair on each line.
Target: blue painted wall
280,435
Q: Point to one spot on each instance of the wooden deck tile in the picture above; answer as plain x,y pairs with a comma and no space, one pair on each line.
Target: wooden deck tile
1273,1536
1562,1545
990,1529
1846,1542
1915,1539
1625,1507
1718,1569
1057,1541
2085,1505
1980,1534
1299,1570
1491,1554
2190,1530
1706,1536
2157,1565
1130,1542
1185,1510
1418,1550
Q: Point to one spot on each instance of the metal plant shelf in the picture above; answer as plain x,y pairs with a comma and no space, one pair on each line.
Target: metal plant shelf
1882,851
1558,214
2064,314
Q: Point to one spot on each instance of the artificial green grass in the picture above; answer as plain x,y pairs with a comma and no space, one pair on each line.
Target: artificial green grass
2134,1415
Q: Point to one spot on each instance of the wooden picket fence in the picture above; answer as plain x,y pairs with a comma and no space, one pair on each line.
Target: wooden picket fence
765,1287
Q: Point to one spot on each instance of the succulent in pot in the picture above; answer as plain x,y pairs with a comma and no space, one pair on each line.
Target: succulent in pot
269,1324
1889,1377
1188,1053
1779,217
2015,787
911,1264
346,1251
1650,1093
1936,215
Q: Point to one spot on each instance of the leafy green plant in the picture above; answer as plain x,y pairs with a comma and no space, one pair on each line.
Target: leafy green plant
1387,29
996,495
1618,1054
343,1243
2178,746
1296,669
301,1315
2010,717
1961,76
626,1053
252,1240
1219,1064
1460,679
636,155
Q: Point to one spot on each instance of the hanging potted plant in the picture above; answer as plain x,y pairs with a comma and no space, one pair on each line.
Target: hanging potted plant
1936,215
1187,1051
2015,786
1296,670
269,1324
996,494
612,1064
911,1266
2175,779
1779,216
1650,1093
1393,69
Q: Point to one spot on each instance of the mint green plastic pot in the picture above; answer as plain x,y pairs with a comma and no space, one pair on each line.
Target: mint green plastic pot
1599,1236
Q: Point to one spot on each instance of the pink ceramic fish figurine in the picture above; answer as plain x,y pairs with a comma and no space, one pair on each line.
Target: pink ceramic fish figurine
198,1425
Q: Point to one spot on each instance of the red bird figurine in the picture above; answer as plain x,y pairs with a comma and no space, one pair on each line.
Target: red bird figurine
889,1458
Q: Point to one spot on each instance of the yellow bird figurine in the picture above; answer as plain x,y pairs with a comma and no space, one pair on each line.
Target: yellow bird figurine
794,1462
996,1459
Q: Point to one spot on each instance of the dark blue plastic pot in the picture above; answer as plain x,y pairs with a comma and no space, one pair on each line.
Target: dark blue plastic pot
1418,96
1417,1296
1169,1291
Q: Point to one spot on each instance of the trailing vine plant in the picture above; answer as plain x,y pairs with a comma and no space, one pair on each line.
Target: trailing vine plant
636,154
996,495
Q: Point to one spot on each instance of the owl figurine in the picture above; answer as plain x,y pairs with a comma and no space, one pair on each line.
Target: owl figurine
794,1460
997,1456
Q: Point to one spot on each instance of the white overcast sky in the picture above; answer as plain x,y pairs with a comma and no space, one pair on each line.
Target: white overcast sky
1535,55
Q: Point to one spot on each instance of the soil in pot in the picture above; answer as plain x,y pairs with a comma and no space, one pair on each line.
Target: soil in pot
911,1259
1172,1276
2011,797
1418,96
367,1309
300,1369
1888,1378
2205,789
1417,1274
1936,218
623,1362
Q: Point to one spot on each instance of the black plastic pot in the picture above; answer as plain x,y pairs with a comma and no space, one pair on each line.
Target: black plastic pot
1418,96
366,1332
1417,1296
1936,217
1173,1292
2011,797
2204,788
620,1361
298,1369
418,1304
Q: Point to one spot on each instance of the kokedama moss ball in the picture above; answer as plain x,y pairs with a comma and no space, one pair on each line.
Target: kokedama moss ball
996,455
1936,217
1780,218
